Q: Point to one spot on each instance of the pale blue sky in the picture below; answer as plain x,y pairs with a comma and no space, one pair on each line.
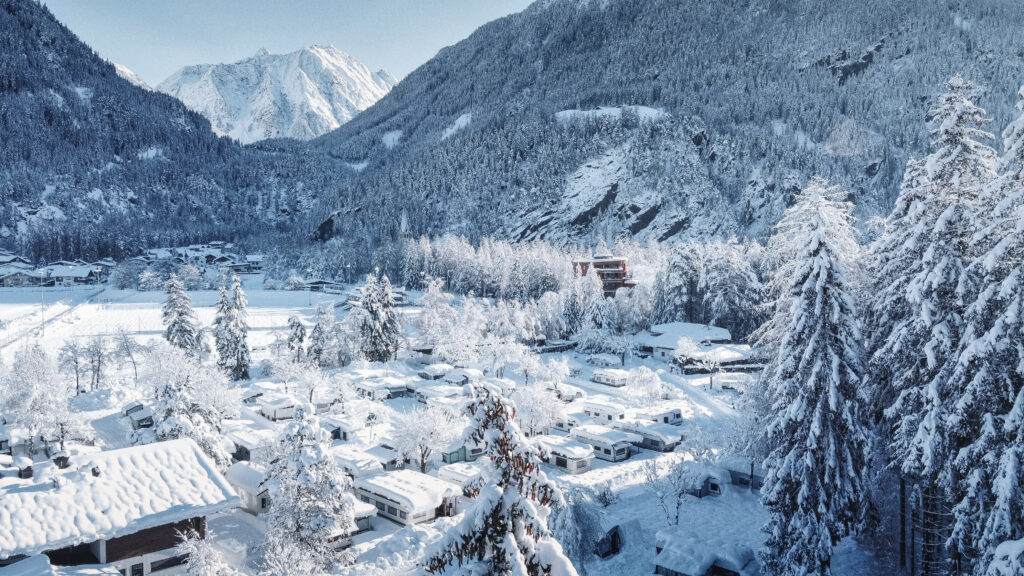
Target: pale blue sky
156,37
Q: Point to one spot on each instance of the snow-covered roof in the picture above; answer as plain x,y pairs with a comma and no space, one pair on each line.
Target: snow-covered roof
254,258
439,369
382,383
39,565
603,435
562,446
617,373
461,473
667,433
414,491
440,391
695,552
723,352
356,461
604,406
109,494
363,509
251,438
276,400
668,335
660,409
384,454
459,374
342,422
245,476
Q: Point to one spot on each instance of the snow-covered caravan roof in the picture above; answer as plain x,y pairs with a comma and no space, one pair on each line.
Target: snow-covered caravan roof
603,406
251,438
668,335
363,509
724,353
245,476
276,400
562,446
689,552
355,461
109,494
603,435
461,473
383,454
667,433
414,491
343,422
437,370
39,565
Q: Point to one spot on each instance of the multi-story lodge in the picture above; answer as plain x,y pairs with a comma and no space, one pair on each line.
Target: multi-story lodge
612,270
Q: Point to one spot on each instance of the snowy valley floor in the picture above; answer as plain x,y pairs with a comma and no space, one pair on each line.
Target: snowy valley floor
390,549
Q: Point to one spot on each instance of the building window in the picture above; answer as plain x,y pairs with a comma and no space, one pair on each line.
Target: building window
137,569
403,515
381,506
392,510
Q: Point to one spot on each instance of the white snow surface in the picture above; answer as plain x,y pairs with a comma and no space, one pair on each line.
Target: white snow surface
136,488
415,491
460,123
668,335
303,94
609,112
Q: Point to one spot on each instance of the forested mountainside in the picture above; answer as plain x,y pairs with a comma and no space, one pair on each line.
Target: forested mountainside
303,94
92,165
743,101
659,119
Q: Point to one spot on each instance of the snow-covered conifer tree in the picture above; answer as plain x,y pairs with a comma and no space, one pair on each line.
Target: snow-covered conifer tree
296,337
203,559
180,325
926,284
505,532
815,469
988,416
230,331
380,330
311,501
189,401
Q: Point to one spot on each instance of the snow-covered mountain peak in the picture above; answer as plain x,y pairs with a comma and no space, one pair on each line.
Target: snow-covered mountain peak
301,94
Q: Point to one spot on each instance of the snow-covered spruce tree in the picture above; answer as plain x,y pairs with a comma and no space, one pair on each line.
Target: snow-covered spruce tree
230,332
380,330
988,416
505,532
731,288
296,337
925,325
311,501
181,328
189,401
818,206
319,352
438,317
815,469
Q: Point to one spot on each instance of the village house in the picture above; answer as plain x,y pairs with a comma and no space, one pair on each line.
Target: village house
612,270
458,451
565,453
409,497
744,472
615,377
382,388
661,340
603,410
462,376
655,436
124,507
609,444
